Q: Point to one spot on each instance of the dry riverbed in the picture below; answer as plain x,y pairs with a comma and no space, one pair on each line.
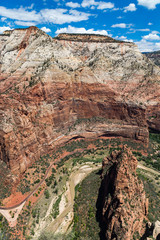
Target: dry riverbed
64,220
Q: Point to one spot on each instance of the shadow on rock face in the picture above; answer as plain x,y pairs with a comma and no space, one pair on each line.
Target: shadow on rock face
158,237
99,206
148,232
99,217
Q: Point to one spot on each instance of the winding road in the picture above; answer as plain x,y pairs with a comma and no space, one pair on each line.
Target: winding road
11,213
39,184
148,169
6,211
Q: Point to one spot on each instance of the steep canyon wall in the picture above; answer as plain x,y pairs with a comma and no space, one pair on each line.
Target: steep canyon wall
48,86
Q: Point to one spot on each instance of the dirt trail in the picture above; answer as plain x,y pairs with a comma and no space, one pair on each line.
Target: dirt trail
148,169
12,215
5,211
80,174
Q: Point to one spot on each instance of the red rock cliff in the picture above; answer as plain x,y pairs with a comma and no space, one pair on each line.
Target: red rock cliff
47,84
124,202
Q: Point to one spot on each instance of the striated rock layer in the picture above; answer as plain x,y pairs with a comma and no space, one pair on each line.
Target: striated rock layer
48,85
124,202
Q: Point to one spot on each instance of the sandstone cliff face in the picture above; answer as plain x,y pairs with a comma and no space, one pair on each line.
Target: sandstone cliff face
124,203
47,84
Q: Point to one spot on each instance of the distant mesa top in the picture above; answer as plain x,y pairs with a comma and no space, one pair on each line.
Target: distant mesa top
76,37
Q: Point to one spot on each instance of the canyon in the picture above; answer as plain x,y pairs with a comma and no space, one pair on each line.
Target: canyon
49,85
67,102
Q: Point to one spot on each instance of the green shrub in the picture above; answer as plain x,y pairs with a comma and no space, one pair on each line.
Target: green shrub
46,193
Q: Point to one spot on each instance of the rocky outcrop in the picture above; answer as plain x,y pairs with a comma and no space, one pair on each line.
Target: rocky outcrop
48,86
124,202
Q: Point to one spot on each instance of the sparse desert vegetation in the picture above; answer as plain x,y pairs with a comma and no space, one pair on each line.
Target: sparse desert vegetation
78,152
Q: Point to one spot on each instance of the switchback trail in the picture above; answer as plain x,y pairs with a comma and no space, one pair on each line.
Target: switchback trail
148,169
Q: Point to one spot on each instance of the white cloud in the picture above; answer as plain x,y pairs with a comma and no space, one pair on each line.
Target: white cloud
100,5
47,30
130,8
71,29
123,38
2,29
149,42
115,9
121,25
22,23
60,16
73,5
139,30
155,32
147,46
88,3
31,6
57,16
20,14
150,4
132,30
158,45
105,5
152,36
3,19
150,23
143,30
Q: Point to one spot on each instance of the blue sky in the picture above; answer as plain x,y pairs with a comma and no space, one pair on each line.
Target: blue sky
137,20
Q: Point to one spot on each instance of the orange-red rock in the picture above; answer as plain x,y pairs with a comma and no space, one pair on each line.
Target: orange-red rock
124,202
47,84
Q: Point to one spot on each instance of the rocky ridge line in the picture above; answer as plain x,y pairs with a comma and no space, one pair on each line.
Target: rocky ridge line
87,38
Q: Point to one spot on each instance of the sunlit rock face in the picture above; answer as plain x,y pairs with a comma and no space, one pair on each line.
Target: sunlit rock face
47,84
124,204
